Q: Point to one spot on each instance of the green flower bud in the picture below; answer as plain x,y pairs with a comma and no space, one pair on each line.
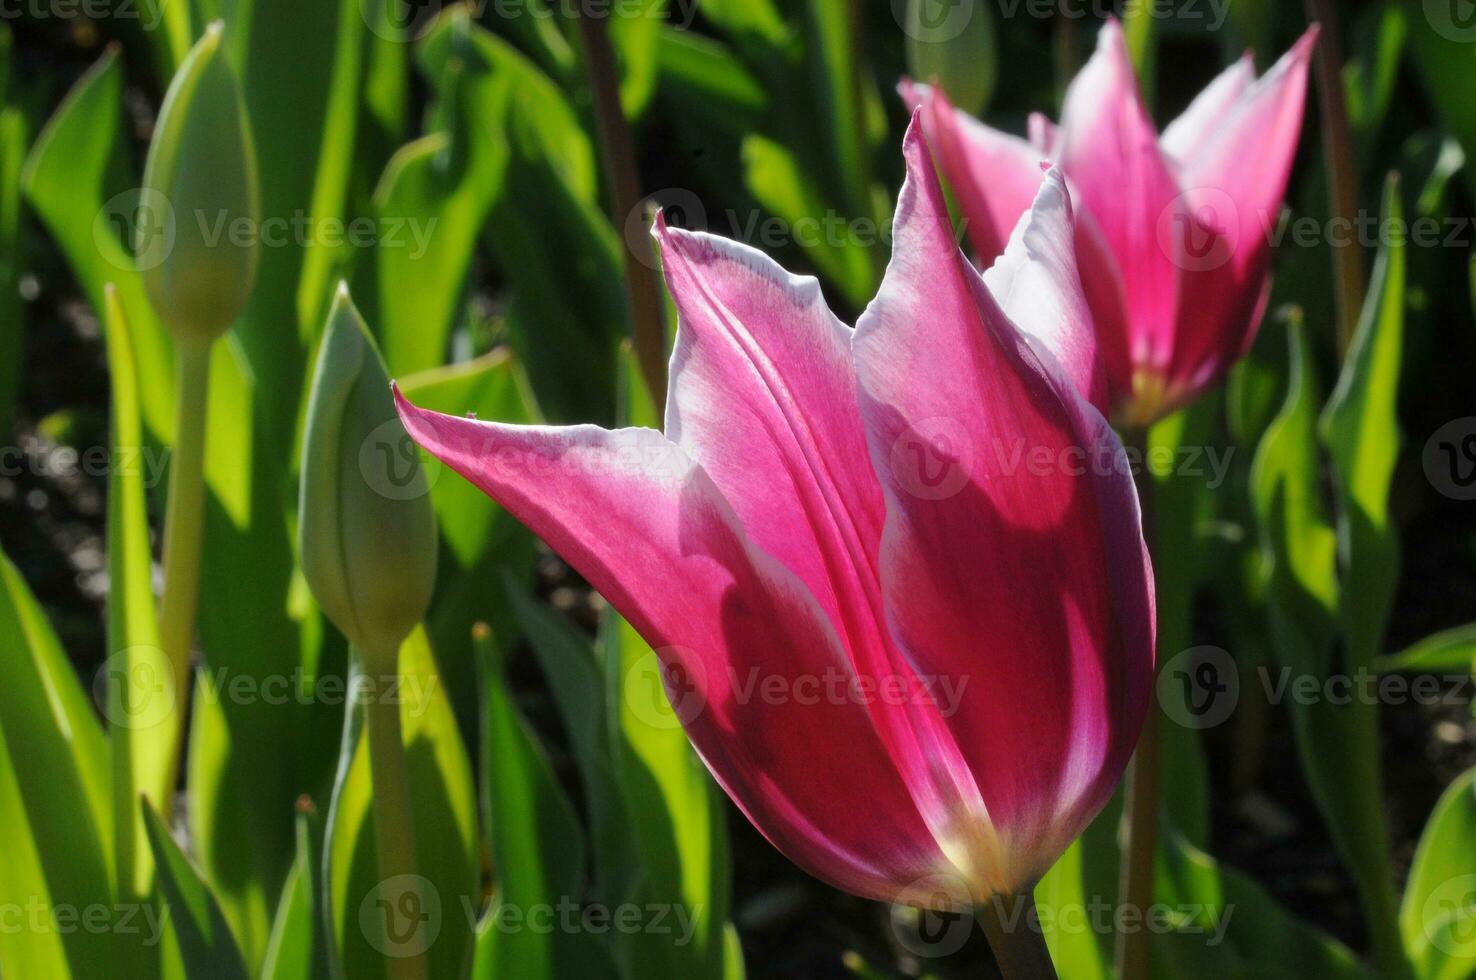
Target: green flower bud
951,43
199,209
365,525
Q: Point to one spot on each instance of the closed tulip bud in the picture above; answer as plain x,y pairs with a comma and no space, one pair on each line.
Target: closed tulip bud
366,529
198,250
952,45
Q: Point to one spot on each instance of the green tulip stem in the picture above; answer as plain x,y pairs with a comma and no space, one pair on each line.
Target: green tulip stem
184,522
1140,849
1015,937
393,826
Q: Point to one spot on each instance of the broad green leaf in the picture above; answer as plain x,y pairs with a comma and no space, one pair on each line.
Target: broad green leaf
1438,915
536,843
758,20
297,949
140,698
206,945
577,681
59,761
636,37
1447,652
1226,925
1360,428
26,952
675,814
443,795
1441,37
75,183
1086,875
552,243
336,151
777,181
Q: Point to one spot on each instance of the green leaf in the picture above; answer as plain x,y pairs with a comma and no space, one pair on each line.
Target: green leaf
206,945
537,848
676,816
1447,652
27,952
1226,925
1438,915
443,795
1086,874
1445,59
298,949
636,38
59,763
139,707
1360,428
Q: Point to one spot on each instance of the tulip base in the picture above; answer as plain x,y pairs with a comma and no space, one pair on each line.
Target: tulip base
1016,938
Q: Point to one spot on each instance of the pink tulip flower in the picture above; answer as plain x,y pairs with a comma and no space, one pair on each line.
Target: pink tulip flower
1173,231
895,574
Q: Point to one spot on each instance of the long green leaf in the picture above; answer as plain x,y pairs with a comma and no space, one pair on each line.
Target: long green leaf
1438,916
208,949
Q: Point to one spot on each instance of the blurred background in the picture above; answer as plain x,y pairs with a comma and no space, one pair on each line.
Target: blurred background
459,168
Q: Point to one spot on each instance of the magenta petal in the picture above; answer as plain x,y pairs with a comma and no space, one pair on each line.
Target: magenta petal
1109,148
1012,562
1037,285
1234,184
740,639
993,176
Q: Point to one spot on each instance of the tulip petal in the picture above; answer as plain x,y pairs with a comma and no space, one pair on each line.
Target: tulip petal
1011,561
993,175
740,639
1037,286
1110,148
1205,117
763,397
1234,187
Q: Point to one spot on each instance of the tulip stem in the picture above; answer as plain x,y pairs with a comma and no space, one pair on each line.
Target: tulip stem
394,835
1015,937
617,150
1140,848
184,523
